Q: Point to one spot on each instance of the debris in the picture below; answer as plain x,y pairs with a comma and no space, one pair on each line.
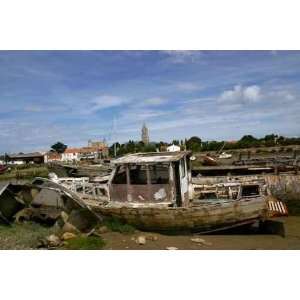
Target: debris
9,204
68,235
23,215
152,237
64,216
93,232
53,241
171,248
141,240
201,241
103,229
84,220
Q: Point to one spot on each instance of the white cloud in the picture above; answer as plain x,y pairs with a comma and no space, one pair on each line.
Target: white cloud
252,93
106,101
240,94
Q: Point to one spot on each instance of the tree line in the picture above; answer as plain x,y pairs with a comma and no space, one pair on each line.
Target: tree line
196,144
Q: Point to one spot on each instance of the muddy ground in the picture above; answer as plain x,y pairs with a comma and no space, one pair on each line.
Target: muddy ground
229,241
28,236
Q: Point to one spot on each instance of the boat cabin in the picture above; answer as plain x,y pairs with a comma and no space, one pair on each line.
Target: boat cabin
152,178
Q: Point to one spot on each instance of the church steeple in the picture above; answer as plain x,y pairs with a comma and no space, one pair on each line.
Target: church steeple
145,134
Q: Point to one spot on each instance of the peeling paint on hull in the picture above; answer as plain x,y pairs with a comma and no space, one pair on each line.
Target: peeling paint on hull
205,217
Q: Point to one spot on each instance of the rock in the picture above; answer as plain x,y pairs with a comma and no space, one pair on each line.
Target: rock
68,227
53,240
103,229
68,236
197,240
141,240
152,238
200,241
172,248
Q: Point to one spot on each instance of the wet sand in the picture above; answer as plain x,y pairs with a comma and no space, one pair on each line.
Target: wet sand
227,241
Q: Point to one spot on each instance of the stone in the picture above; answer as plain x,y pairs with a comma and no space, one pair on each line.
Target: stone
103,229
152,238
68,236
172,248
53,240
141,240
201,241
68,227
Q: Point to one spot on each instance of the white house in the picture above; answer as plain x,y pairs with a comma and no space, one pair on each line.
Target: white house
173,148
71,154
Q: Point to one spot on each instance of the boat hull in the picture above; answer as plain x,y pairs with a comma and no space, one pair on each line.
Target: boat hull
202,218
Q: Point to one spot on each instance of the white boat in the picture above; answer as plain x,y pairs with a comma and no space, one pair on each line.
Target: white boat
225,155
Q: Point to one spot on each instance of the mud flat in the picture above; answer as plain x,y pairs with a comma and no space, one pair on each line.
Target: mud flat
227,241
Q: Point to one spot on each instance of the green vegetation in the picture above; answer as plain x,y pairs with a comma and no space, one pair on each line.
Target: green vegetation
115,224
22,236
195,144
25,172
59,147
85,243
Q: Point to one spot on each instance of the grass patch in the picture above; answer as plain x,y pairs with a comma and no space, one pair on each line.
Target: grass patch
25,173
85,243
115,224
22,236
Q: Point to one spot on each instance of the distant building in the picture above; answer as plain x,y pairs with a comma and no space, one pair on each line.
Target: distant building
71,154
173,148
145,135
85,153
24,158
101,146
52,156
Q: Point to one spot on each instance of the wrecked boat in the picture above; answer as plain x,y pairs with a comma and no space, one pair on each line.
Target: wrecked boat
46,202
151,191
3,169
154,191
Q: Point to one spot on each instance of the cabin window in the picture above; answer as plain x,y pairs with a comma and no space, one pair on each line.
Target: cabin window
159,174
210,195
138,174
250,190
120,176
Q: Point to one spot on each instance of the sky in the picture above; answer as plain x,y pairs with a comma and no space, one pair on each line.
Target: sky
74,96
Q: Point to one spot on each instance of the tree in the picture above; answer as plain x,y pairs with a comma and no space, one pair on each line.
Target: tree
59,147
270,140
248,141
194,144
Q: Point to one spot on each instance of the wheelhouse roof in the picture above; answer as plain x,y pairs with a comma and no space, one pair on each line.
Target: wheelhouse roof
151,157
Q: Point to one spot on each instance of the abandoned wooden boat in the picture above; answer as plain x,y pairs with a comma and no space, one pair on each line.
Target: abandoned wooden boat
3,169
153,191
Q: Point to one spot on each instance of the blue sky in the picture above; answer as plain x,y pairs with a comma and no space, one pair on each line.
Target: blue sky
73,96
